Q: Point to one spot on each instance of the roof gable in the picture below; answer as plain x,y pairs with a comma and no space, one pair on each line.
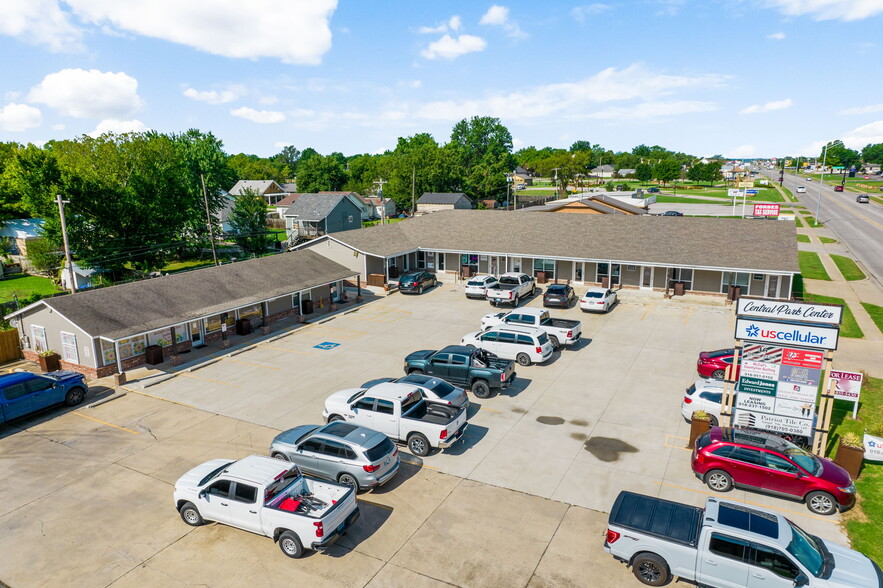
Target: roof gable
262,187
441,197
315,207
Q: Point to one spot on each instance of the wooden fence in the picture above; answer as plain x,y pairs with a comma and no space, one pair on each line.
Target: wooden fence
9,346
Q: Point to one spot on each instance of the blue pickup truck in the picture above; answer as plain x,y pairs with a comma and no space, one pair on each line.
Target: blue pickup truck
23,393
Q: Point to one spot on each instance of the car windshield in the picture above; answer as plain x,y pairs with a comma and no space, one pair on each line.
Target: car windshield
213,474
804,459
475,283
805,549
380,450
594,295
509,280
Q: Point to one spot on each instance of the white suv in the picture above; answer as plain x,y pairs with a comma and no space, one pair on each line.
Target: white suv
526,345
703,395
477,286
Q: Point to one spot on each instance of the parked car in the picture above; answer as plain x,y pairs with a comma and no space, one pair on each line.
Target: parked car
511,288
808,179
801,189
265,496
23,393
725,457
345,453
597,299
653,190
482,372
838,188
714,364
477,286
433,388
703,395
727,544
559,295
862,199
560,331
400,412
672,213
526,345
412,282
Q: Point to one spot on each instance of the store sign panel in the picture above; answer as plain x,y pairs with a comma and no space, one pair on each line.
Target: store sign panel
759,369
797,392
803,358
802,312
756,386
774,422
814,336
799,375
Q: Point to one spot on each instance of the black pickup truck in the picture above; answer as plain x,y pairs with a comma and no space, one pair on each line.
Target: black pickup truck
483,372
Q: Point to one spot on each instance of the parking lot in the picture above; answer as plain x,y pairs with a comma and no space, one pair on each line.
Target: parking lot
520,501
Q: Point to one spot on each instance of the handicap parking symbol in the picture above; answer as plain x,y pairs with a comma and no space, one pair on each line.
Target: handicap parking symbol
326,345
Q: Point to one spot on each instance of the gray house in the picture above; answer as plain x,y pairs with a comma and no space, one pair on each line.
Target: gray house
313,215
435,201
270,190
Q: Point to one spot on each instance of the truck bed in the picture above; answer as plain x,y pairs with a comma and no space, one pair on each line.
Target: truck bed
560,323
660,518
439,414
307,497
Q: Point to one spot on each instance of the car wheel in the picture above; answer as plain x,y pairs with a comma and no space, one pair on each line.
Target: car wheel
290,545
74,396
712,420
190,514
419,445
435,283
650,569
481,389
335,418
420,290
282,456
719,481
348,480
555,344
418,372
523,359
533,289
718,374
821,503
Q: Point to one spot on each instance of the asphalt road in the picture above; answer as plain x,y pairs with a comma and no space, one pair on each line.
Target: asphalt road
858,226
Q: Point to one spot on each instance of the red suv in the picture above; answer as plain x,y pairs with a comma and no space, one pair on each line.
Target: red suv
714,364
727,457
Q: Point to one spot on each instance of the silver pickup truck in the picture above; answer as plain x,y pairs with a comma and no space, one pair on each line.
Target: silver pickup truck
727,545
511,288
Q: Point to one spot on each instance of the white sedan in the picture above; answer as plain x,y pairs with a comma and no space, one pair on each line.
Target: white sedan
477,286
801,189
598,299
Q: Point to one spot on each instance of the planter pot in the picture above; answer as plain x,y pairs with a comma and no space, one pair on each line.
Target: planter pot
119,379
697,427
850,459
49,363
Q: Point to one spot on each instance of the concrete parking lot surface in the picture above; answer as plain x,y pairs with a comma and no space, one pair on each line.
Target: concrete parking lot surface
520,502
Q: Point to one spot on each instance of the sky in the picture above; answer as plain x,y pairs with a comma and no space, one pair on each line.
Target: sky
741,78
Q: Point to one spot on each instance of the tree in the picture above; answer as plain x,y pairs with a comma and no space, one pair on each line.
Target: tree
483,150
288,156
252,167
712,172
838,154
643,173
320,173
43,256
580,146
641,150
696,173
666,170
873,153
249,222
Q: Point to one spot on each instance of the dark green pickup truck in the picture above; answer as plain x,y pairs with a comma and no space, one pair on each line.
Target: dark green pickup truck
474,368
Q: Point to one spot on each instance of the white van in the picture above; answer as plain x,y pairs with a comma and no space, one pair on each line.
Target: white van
526,345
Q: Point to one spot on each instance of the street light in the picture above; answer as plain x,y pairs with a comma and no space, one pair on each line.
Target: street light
821,181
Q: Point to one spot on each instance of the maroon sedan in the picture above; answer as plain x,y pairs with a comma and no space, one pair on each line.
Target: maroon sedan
754,460
714,364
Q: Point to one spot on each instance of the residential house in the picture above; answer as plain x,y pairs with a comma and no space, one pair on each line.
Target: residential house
82,277
270,190
381,207
522,177
19,231
594,204
625,172
603,171
435,201
283,204
355,198
313,215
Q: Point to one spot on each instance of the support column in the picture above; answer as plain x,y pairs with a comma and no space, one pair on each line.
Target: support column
225,341
120,377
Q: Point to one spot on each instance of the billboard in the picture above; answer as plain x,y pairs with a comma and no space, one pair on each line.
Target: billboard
812,336
766,210
804,312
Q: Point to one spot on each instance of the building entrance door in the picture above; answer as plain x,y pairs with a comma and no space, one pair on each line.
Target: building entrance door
196,334
646,278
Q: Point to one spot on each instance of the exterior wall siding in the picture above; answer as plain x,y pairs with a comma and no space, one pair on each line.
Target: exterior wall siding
427,208
706,281
54,324
564,271
630,277
340,254
755,287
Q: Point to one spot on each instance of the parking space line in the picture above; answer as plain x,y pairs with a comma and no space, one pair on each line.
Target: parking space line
669,437
689,314
489,409
646,312
133,391
757,504
105,423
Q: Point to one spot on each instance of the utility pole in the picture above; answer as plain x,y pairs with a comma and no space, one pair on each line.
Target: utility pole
380,195
821,182
413,183
555,169
208,220
67,249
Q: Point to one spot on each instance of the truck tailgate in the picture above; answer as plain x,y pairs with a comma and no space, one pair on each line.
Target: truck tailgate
337,519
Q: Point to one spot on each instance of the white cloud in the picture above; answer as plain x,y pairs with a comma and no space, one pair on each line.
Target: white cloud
450,48
669,7
39,22
869,133
517,143
768,107
88,94
282,144
231,28
454,23
580,13
645,110
776,36
258,116
16,118
742,151
268,100
112,125
863,109
58,127
410,83
498,15
231,94
847,10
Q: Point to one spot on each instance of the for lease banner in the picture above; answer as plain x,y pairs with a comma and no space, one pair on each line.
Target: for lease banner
847,385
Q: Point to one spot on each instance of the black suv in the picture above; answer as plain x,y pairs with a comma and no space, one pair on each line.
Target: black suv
416,282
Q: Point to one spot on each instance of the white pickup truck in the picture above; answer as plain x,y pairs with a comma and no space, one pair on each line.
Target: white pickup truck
400,412
269,497
560,331
511,288
727,545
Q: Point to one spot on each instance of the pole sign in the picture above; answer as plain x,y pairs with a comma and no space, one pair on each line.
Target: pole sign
745,184
812,336
873,448
847,386
752,191
734,192
766,209
781,310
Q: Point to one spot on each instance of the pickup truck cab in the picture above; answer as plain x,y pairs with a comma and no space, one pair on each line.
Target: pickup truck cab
23,393
525,345
458,364
560,331
268,497
400,412
728,545
511,288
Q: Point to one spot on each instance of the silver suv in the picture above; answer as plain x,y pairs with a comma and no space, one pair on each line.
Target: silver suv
339,451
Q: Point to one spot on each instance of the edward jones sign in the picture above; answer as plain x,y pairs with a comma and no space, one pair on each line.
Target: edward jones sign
801,312
813,336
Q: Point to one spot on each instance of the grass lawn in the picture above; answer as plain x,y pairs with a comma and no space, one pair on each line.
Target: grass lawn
797,222
811,266
827,240
280,235
863,522
812,222
180,266
849,327
802,238
686,200
848,268
23,285
876,313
